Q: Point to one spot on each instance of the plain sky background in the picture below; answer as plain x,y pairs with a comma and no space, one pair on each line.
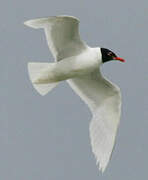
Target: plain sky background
47,138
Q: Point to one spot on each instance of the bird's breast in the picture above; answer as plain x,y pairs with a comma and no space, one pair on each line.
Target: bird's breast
90,59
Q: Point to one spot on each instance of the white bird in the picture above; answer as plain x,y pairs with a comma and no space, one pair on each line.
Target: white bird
79,64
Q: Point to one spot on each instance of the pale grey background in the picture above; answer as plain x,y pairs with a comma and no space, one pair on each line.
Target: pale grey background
48,136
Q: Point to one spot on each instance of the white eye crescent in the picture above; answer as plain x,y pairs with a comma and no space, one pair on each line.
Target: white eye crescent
109,54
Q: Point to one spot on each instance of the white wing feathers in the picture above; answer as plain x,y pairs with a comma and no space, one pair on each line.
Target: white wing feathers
102,97
62,33
103,128
104,100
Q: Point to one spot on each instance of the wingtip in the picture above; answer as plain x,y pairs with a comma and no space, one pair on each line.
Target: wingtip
26,23
102,169
31,23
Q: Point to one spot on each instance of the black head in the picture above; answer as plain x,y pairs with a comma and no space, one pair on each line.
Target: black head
108,55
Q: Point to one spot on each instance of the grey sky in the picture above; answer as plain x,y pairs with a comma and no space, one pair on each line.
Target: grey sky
48,136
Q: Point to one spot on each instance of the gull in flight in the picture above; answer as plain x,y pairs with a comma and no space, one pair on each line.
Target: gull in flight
78,64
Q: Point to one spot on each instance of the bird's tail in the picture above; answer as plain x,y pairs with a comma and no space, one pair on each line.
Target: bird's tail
34,70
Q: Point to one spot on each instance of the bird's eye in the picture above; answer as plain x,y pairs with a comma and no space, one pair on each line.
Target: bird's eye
109,54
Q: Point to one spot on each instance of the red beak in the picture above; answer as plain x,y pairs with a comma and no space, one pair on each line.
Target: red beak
119,59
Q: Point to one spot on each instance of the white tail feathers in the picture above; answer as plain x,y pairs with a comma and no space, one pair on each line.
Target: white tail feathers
34,70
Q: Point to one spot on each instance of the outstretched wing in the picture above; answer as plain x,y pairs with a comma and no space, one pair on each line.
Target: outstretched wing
104,101
62,33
